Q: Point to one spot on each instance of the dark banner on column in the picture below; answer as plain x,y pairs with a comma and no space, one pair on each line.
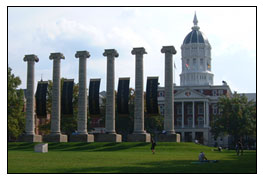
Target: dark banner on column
94,104
41,93
151,95
67,96
123,96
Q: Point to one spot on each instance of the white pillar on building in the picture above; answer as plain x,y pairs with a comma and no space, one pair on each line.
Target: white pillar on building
182,114
204,115
30,100
193,114
207,114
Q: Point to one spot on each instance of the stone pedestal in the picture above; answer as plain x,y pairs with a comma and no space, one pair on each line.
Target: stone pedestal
169,138
30,138
107,137
145,137
42,148
82,138
55,138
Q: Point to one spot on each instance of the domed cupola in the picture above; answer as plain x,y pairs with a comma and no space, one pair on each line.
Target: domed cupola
196,58
195,36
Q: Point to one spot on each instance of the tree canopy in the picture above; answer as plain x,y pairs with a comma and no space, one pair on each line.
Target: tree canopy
237,117
15,105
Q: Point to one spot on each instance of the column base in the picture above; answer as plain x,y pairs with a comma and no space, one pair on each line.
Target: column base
55,138
82,138
169,138
142,137
107,137
30,138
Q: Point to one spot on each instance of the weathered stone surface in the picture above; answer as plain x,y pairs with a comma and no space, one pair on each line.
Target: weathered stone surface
110,94
169,95
82,138
146,137
82,101
30,99
55,138
42,147
139,94
56,93
169,138
107,137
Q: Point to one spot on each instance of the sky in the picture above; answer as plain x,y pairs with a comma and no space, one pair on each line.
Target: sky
231,31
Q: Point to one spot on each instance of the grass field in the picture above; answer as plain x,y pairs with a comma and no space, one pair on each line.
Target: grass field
125,158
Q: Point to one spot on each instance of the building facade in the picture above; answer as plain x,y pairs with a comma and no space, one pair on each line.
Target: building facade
195,100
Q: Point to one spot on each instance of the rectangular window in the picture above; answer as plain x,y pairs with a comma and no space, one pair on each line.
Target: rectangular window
220,92
179,121
214,92
189,109
200,109
179,110
215,109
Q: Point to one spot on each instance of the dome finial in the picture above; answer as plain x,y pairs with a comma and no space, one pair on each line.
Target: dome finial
195,20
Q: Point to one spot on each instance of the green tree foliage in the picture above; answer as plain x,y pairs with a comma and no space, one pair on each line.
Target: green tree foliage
237,117
15,104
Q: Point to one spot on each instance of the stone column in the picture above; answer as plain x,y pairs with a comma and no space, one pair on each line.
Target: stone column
55,135
169,94
139,95
30,135
110,95
110,135
82,135
139,134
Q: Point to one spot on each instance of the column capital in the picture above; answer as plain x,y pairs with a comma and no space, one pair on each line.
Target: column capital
82,54
168,49
111,53
31,57
56,55
138,50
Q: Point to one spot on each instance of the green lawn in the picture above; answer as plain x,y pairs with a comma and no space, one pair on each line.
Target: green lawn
125,158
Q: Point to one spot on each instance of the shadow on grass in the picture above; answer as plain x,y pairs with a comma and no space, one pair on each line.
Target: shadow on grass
21,146
119,146
168,167
77,146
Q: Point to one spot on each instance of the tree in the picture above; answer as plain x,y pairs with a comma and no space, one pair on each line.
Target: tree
15,104
237,117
